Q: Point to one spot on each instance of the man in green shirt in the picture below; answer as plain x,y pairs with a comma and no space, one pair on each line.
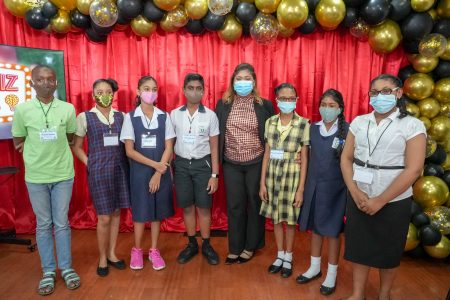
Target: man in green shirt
42,130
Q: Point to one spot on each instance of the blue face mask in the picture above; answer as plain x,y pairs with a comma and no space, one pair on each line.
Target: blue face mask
286,107
243,87
329,114
383,103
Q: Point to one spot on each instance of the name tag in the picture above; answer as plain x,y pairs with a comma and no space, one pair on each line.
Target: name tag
202,128
110,139
363,176
48,135
335,143
189,139
276,154
148,141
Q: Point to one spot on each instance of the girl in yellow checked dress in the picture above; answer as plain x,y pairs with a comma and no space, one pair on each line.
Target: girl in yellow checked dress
282,177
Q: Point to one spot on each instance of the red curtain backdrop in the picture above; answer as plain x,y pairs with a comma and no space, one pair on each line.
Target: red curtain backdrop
313,63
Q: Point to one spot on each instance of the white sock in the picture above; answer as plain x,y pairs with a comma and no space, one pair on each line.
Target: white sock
287,260
279,260
330,281
314,269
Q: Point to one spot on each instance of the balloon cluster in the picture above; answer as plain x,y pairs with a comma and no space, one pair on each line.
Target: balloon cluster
384,23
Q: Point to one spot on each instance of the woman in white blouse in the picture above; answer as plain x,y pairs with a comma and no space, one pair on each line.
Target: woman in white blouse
383,156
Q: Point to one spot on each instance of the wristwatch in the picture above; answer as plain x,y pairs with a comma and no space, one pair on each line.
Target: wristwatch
214,175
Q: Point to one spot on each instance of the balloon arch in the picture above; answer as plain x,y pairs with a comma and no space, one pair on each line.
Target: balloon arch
423,27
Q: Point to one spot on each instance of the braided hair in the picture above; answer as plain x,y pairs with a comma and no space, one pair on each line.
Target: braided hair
342,131
401,103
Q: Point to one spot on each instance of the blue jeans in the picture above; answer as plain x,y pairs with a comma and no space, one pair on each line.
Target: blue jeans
50,202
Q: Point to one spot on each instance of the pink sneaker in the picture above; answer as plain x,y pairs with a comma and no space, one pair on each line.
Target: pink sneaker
137,260
157,261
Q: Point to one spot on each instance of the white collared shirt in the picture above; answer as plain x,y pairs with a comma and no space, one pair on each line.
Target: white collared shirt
128,130
204,125
323,129
82,123
390,150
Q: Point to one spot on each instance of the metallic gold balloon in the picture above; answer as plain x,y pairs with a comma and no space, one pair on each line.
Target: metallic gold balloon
441,250
445,110
422,5
178,17
231,30
285,32
412,239
446,54
424,64
426,122
433,14
443,9
292,13
442,90
431,146
445,142
83,6
67,5
385,37
440,127
439,217
167,4
264,28
418,86
429,107
430,191
196,9
103,13
330,13
267,6
446,163
17,7
220,7
433,45
142,27
167,25
35,3
413,109
61,22
360,29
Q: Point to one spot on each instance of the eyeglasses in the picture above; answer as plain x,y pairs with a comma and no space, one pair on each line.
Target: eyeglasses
384,91
289,99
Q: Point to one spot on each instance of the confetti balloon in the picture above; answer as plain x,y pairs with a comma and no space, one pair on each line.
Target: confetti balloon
439,217
264,28
433,45
103,13
220,7
431,146
178,17
360,30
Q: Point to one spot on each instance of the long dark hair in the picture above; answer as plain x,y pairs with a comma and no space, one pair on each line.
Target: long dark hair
111,82
401,103
228,97
342,131
140,83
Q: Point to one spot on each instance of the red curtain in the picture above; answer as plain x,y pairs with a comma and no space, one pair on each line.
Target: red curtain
313,63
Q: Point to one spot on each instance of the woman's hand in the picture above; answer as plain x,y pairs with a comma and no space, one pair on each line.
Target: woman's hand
359,197
298,200
372,206
160,167
154,183
263,193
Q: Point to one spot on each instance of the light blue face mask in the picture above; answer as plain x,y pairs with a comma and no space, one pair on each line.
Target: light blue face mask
383,103
286,107
329,114
243,87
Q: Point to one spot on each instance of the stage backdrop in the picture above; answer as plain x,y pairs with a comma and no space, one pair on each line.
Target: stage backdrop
312,63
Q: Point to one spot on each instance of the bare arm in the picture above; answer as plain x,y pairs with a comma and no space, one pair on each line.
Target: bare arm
213,183
70,138
262,182
18,143
78,150
303,169
138,157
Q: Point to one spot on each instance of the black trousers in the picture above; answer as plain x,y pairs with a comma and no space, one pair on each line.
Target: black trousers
245,224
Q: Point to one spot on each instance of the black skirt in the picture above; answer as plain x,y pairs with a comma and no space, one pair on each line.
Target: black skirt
377,241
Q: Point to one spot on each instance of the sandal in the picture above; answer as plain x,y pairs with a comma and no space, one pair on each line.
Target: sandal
71,278
47,283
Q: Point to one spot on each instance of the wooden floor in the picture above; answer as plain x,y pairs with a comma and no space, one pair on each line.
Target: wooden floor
20,272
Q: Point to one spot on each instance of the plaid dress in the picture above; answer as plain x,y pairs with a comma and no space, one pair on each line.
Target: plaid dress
283,175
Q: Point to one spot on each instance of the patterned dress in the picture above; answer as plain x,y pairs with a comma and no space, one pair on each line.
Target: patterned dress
283,175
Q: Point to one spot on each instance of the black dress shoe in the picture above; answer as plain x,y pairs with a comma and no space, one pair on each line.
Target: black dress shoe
286,272
210,254
303,279
275,269
120,264
102,271
187,254
243,260
326,291
231,261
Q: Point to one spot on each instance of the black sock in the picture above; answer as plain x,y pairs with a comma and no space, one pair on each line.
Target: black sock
205,241
192,240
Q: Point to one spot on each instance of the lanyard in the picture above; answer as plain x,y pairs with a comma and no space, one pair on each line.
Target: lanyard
190,123
368,142
148,123
46,113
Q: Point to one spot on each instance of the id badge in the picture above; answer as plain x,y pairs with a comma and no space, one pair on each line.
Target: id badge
48,135
148,141
363,176
335,143
202,129
276,154
110,139
189,139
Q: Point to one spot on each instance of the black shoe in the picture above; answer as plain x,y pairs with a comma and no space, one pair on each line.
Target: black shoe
274,269
286,272
210,254
120,264
187,254
102,272
303,279
326,291
231,261
242,260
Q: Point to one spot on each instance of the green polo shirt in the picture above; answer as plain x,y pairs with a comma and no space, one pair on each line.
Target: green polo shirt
45,161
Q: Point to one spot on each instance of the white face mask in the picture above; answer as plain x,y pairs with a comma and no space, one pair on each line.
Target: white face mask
383,103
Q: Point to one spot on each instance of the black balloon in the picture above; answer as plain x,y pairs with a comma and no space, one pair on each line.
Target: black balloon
153,12
416,26
411,46
420,220
35,18
429,235
443,27
79,20
433,170
405,72
443,69
246,29
246,12
446,178
235,5
415,209
309,26
130,8
122,20
94,36
213,22
438,157
400,9
101,30
195,27
374,11
313,3
49,9
417,252
351,15
353,3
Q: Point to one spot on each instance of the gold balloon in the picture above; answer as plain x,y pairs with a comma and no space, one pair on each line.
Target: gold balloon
445,142
442,90
167,4
426,122
430,191
445,110
167,25
412,239
422,5
196,9
429,107
440,127
61,22
231,30
264,28
17,7
360,30
433,14
385,37
330,13
142,27
433,45
446,163
413,109
443,9
441,250
267,6
431,146
446,54
292,13
83,6
440,218
424,64
67,5
418,86
178,17
285,32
